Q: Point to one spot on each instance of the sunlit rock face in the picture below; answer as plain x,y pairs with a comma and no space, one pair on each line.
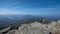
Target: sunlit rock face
59,21
54,27
33,28
37,28
4,30
11,32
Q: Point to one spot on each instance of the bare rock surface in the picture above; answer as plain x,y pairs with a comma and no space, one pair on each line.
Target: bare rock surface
36,28
33,28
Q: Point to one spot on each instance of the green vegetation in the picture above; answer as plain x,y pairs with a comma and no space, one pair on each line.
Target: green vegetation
2,28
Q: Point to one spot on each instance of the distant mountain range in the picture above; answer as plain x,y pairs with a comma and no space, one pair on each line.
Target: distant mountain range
6,20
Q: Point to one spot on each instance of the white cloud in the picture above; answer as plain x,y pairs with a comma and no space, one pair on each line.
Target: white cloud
41,11
7,12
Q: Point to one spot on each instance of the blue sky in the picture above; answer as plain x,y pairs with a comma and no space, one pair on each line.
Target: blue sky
31,7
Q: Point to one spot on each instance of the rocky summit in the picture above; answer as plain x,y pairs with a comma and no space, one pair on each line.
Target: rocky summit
34,28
